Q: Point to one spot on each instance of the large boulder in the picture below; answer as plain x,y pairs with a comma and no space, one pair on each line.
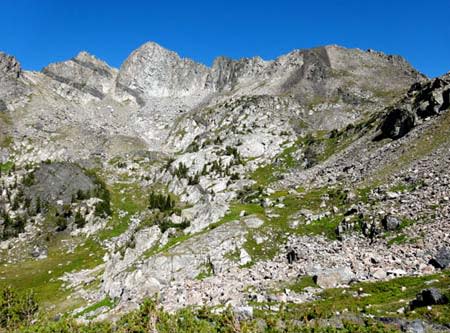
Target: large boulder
333,277
431,296
398,122
442,259
390,223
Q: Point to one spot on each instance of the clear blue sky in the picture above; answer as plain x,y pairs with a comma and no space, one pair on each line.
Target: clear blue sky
38,32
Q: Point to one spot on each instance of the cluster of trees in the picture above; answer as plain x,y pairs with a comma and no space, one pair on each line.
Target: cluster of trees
163,202
103,208
16,201
166,206
24,208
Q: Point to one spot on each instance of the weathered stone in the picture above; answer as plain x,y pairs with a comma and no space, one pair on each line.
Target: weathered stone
398,122
391,223
431,296
333,277
442,258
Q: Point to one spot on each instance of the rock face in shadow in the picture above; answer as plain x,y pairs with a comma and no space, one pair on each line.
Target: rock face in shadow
424,100
59,182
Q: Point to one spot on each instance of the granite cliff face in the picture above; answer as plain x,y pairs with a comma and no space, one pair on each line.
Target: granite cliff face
11,87
217,185
85,73
152,71
324,72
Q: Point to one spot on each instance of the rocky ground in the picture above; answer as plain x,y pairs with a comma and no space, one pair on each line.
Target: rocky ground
251,184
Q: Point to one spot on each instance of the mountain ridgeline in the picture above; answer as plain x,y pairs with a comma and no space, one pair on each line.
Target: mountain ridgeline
287,195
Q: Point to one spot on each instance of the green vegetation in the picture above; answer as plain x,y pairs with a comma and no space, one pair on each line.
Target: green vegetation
380,299
5,167
16,308
337,310
277,222
101,191
127,199
151,318
164,203
43,275
106,302
301,283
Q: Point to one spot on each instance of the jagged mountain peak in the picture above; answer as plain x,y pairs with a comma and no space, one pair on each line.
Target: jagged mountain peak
87,58
153,71
85,77
9,65
324,71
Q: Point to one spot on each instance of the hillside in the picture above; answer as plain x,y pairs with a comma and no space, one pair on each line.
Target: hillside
301,193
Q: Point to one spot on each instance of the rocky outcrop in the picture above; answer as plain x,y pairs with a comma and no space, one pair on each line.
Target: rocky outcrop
58,182
11,87
424,100
83,77
152,71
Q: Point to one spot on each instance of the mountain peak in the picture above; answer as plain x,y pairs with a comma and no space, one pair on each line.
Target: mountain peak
9,65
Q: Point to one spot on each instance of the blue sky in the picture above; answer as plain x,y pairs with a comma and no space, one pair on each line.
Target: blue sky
39,32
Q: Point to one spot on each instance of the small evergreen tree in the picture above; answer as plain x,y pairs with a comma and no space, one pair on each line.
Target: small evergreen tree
80,221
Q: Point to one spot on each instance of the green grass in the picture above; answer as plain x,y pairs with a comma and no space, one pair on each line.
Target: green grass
127,197
42,275
108,302
5,167
301,283
429,140
276,228
375,298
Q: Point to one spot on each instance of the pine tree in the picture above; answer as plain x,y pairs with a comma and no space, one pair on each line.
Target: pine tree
38,205
80,221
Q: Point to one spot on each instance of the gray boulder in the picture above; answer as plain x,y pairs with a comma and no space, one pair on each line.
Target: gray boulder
390,223
431,296
333,277
399,122
442,259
